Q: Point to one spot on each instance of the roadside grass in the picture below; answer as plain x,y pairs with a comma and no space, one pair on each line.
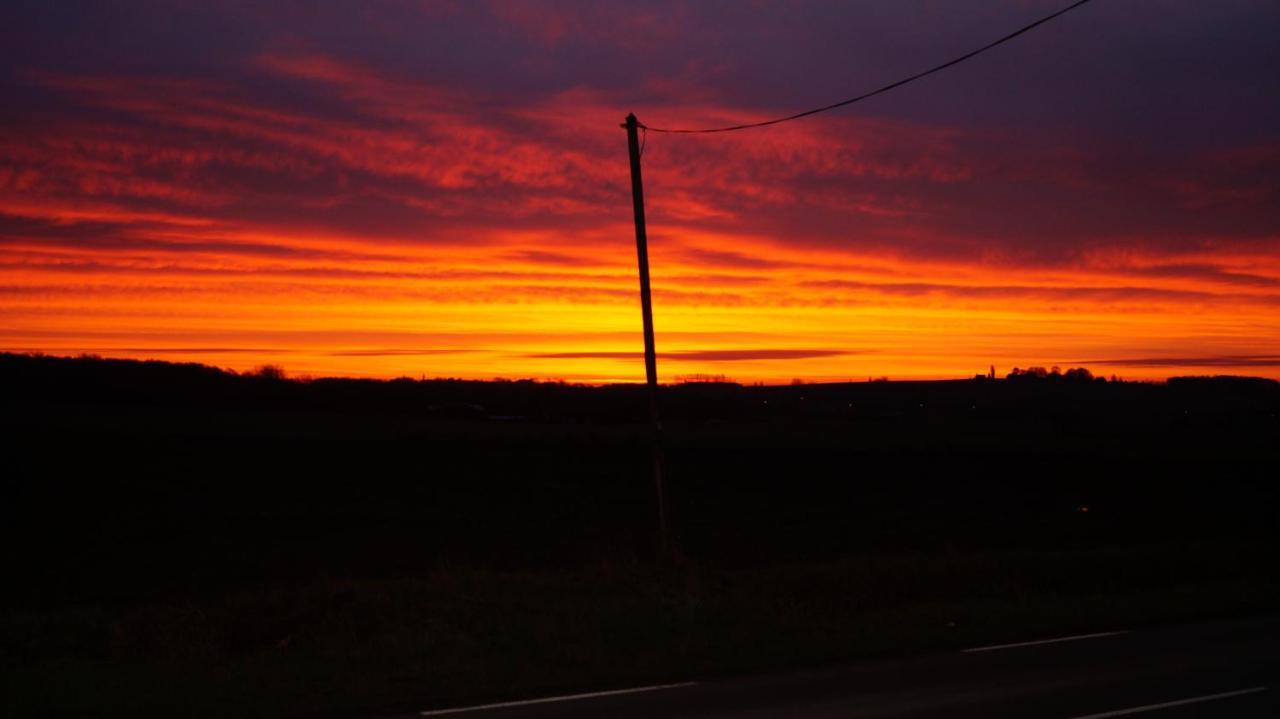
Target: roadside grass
364,647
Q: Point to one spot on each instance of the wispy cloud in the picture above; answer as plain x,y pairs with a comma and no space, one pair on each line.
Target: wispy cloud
398,352
721,355
1193,361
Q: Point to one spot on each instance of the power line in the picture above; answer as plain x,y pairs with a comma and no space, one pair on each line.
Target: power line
886,88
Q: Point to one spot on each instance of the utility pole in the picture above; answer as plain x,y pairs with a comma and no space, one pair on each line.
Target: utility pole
646,310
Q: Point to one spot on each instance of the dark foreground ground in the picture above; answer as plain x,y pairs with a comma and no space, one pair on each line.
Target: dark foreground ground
181,541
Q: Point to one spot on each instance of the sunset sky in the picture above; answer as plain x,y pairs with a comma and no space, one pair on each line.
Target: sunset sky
442,188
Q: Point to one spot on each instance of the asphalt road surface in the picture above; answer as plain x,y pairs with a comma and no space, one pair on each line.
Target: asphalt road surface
1225,670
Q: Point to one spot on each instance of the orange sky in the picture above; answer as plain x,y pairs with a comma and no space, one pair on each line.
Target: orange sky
340,215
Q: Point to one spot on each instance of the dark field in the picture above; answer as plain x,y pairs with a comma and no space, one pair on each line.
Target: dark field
184,541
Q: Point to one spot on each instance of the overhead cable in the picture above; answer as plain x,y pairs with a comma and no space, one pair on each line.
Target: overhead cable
886,88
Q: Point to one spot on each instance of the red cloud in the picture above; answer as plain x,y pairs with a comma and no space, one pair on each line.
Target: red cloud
157,207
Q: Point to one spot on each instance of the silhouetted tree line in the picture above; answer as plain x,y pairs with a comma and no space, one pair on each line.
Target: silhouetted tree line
1075,374
1027,392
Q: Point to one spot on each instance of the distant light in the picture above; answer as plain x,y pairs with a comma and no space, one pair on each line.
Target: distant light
1083,509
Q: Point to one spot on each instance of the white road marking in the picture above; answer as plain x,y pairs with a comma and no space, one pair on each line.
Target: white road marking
548,700
1077,637
1178,703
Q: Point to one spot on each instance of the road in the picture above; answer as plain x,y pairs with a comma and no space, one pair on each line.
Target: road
1224,670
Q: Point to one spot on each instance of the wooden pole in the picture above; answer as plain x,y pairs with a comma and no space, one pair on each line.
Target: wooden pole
646,310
